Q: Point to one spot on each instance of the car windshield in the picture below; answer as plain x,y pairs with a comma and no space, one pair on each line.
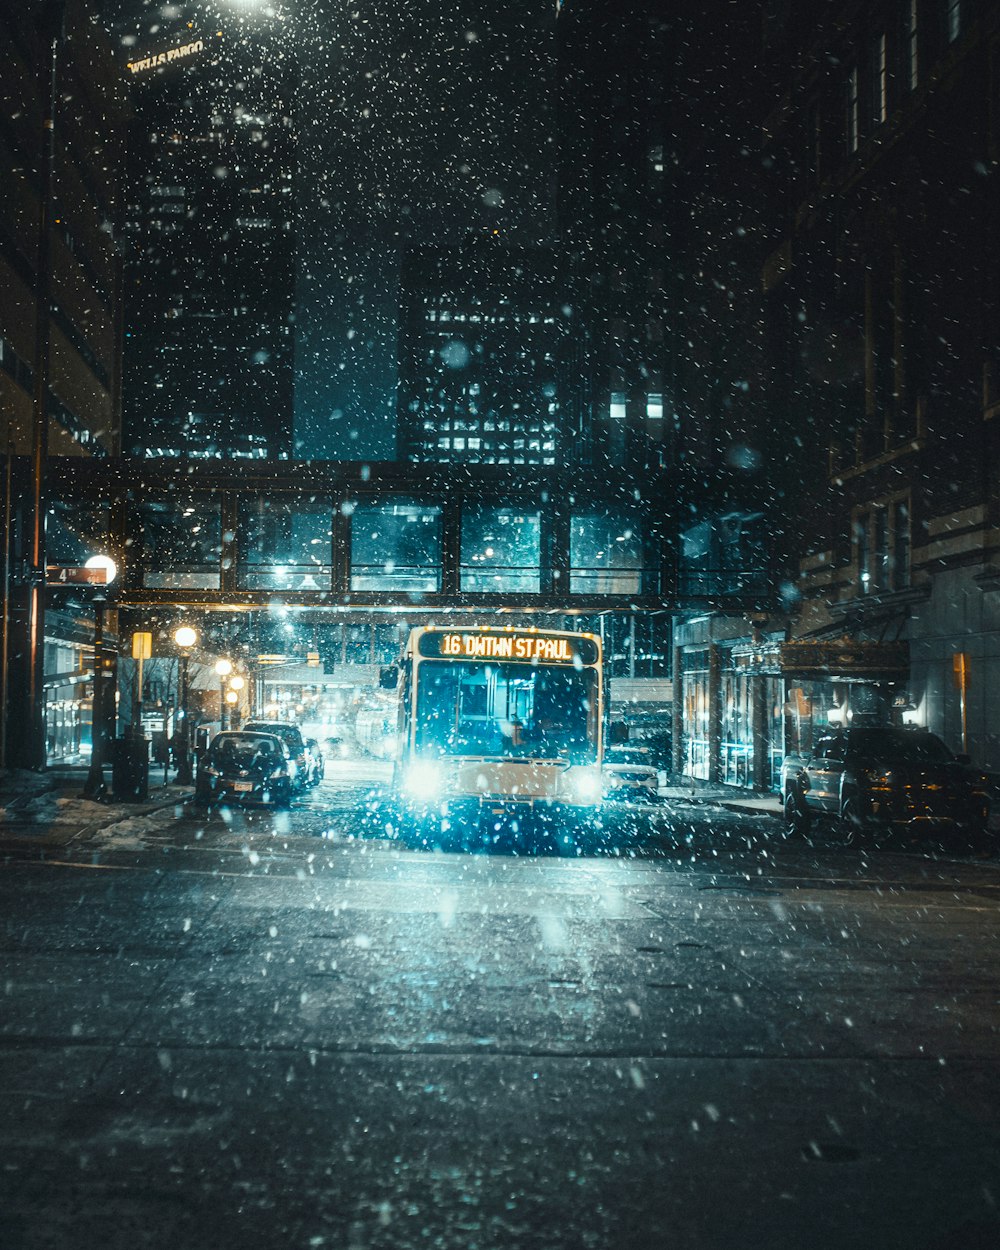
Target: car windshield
287,733
244,750
902,748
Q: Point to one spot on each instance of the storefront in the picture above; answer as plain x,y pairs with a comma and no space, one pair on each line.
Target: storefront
746,703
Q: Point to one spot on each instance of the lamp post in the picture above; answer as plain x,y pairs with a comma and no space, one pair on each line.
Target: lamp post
236,684
185,638
94,787
223,668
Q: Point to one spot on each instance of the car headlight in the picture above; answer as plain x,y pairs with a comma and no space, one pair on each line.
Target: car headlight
424,780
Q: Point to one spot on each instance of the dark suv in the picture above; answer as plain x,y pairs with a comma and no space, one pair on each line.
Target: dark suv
886,778
291,736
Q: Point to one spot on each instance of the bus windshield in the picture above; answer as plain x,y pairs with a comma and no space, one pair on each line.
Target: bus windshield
521,710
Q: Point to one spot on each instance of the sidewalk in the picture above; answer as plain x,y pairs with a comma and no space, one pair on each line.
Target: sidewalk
47,809
733,798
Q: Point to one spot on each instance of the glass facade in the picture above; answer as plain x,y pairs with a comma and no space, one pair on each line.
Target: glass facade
605,552
181,541
284,544
396,546
736,745
76,531
501,550
697,745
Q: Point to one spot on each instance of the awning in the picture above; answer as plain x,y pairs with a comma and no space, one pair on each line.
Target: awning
841,659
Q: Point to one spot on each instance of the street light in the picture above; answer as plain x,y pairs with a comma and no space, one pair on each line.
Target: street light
223,668
236,684
94,787
185,638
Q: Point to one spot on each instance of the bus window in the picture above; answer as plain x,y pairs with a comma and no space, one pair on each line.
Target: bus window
522,710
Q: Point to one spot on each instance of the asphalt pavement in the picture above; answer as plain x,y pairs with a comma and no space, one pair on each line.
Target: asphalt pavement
270,1029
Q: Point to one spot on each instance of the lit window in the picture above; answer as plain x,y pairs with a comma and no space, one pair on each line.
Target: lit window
654,407
617,406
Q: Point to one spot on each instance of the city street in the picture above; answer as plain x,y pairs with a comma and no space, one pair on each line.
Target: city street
286,1029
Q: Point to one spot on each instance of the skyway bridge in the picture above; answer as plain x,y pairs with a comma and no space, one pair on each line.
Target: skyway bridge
356,540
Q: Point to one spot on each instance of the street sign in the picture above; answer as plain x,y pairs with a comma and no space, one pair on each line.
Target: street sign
74,575
142,646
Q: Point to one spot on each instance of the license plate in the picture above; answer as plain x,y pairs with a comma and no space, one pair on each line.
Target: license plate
242,787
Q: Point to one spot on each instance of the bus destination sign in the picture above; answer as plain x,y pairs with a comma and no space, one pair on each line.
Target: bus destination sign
509,647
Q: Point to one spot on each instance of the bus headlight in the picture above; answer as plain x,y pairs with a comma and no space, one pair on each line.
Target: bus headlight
587,785
424,781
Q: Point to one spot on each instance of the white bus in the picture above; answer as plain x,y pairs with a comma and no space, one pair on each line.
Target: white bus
499,727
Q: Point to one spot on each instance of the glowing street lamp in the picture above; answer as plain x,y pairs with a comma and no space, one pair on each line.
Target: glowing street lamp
185,638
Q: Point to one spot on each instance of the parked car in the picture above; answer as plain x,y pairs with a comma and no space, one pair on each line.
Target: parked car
886,779
291,735
315,762
242,767
629,774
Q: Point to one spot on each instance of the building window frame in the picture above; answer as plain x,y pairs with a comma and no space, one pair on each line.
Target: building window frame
882,544
880,79
911,44
852,110
952,20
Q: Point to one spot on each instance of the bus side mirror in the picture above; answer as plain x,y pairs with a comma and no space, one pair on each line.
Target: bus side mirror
617,732
387,677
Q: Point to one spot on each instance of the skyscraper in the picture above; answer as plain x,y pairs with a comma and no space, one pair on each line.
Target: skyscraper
491,362
210,275
425,122
60,352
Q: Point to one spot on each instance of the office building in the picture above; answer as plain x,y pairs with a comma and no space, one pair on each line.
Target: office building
60,348
210,271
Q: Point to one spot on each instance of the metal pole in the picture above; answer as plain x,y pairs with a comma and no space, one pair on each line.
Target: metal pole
94,786
963,682
222,704
184,774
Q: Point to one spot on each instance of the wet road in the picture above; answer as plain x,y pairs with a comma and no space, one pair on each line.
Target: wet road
269,1029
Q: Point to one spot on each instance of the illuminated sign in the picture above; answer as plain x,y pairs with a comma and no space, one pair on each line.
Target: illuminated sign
165,58
75,575
513,648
